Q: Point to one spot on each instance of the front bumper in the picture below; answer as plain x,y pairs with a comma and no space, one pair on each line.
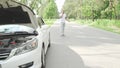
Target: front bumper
16,61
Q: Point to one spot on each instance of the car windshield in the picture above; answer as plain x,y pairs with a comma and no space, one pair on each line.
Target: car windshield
7,29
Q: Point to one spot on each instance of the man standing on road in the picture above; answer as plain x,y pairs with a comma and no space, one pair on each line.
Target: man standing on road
62,22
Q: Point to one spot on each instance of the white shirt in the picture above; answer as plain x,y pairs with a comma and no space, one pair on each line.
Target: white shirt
63,18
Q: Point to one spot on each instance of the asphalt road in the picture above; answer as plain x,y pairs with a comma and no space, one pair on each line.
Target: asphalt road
83,47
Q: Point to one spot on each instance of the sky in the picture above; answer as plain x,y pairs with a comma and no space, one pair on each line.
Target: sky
59,4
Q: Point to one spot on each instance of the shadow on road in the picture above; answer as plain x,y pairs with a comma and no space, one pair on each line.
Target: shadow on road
60,56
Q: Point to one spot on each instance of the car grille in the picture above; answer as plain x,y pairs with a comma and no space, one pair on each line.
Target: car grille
4,53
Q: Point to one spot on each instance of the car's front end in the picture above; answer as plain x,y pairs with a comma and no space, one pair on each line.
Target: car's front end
19,47
21,57
20,40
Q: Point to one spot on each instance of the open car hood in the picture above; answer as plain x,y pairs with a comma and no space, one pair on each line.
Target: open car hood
3,0
12,12
13,15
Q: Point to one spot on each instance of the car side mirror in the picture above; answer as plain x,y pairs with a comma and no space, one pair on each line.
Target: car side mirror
36,33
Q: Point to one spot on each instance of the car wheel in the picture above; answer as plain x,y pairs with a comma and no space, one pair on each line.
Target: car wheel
43,58
49,41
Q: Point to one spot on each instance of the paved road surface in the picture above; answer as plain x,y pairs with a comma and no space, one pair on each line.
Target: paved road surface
83,47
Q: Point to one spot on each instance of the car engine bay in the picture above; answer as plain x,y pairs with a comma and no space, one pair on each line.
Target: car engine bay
13,42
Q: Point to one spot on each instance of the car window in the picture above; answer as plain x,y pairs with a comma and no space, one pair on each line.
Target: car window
1,6
40,22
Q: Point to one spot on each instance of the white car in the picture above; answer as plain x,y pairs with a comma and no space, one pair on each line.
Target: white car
24,39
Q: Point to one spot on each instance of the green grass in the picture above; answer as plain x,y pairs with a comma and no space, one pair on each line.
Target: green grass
49,21
106,24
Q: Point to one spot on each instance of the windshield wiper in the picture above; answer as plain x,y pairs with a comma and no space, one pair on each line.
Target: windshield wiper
21,32
25,33
18,34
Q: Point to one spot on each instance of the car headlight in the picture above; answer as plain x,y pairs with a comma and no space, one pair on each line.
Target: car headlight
27,47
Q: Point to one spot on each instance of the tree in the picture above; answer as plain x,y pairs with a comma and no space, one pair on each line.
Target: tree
94,9
36,5
80,8
50,11
118,10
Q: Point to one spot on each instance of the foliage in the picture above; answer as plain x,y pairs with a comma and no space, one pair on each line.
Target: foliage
35,5
44,8
95,9
50,11
109,25
49,21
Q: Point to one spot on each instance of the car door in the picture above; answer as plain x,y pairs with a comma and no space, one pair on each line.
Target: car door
45,32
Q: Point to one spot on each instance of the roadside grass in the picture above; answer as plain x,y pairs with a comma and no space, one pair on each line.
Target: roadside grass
50,21
106,24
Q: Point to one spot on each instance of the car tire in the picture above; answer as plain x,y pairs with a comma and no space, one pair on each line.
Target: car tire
43,58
